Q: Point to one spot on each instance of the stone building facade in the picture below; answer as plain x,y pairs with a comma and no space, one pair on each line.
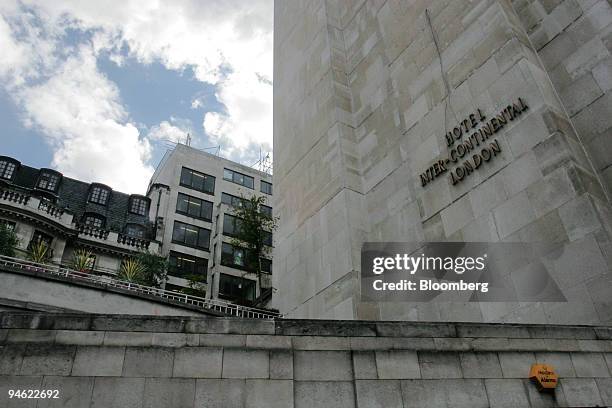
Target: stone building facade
365,95
194,192
43,205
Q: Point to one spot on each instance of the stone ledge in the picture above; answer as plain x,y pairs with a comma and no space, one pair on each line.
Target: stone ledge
518,334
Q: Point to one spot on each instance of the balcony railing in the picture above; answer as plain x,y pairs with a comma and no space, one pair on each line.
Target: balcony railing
91,231
196,301
14,196
51,209
137,243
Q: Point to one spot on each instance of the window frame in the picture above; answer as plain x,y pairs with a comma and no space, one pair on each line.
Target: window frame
8,162
266,183
141,199
203,262
233,178
139,226
191,185
242,280
184,241
99,217
47,175
102,189
202,205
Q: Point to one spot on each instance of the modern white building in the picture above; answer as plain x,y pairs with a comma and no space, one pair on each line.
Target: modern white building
192,195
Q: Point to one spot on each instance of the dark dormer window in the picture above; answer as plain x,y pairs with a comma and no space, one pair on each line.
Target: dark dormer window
94,220
135,230
7,169
48,180
99,194
138,205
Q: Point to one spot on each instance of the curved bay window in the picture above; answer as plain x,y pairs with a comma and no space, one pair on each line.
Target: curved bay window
8,167
94,221
48,180
99,194
139,205
135,230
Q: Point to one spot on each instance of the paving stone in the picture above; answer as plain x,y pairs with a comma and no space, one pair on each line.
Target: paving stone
18,383
561,362
506,393
580,392
516,365
246,363
110,392
47,360
198,362
439,365
339,394
281,365
379,393
460,393
322,365
269,393
364,365
148,362
169,392
215,393
11,357
73,392
480,365
590,365
98,361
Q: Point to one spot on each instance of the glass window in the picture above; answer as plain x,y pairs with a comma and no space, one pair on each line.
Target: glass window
236,287
266,210
138,205
238,178
94,220
7,169
232,200
190,235
266,265
48,181
231,225
135,230
182,265
99,195
194,207
266,187
197,181
267,238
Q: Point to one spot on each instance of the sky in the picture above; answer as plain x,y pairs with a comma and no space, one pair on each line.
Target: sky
99,90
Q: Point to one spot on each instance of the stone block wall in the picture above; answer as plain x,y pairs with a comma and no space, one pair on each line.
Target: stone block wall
138,361
365,92
574,41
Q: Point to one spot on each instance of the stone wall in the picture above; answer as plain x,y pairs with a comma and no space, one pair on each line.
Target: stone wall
180,362
33,290
363,101
574,40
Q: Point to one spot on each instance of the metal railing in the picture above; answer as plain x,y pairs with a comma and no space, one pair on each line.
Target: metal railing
206,304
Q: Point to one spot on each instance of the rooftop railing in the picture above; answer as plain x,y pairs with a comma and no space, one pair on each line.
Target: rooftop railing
217,305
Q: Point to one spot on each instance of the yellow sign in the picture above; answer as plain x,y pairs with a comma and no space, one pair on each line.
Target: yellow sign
544,376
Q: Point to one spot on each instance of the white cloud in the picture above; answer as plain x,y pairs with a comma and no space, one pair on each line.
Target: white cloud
168,132
79,110
227,43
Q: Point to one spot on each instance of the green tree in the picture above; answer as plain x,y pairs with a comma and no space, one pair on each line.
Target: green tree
196,286
254,229
155,269
8,240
